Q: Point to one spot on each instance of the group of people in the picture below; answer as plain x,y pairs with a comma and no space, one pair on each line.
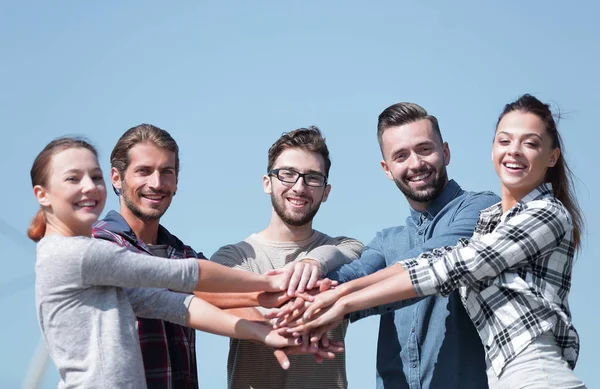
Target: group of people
472,290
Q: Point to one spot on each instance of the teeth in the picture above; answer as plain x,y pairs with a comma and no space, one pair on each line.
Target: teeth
421,177
296,202
86,204
514,166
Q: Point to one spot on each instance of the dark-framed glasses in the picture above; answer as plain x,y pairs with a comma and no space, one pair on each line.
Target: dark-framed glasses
291,177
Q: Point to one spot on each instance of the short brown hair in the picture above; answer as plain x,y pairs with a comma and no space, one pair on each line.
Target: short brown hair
143,133
308,139
400,114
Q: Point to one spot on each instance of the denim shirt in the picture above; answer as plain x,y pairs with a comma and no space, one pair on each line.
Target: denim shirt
430,342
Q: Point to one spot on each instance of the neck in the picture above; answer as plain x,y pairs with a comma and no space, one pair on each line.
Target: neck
279,231
510,197
417,206
145,230
57,228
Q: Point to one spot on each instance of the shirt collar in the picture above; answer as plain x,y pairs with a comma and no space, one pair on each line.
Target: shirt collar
116,223
449,193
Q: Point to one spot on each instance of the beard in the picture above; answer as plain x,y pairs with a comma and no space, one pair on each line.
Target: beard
427,193
145,216
293,219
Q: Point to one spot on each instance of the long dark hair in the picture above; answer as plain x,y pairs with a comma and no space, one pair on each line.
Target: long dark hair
560,175
39,176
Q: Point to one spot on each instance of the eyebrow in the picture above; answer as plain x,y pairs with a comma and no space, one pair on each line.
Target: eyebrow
310,171
527,135
143,165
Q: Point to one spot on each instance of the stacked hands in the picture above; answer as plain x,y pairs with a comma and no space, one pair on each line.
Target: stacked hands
303,310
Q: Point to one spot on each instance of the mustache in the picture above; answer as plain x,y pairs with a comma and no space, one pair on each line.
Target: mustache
155,192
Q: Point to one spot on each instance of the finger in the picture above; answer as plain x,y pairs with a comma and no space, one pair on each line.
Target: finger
304,296
295,279
324,284
314,277
274,272
305,342
318,358
311,310
318,333
282,359
306,273
325,340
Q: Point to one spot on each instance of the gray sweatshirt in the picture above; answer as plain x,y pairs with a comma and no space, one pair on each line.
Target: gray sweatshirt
86,319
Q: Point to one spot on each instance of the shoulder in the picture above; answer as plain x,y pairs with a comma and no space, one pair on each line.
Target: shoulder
483,199
323,239
234,254
547,208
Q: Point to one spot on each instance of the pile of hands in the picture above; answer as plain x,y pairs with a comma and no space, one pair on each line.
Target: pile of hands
305,309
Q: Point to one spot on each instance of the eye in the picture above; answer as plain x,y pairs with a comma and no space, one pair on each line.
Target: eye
531,144
504,142
98,178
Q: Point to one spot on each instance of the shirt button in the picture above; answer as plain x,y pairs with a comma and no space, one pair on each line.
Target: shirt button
420,232
414,365
412,329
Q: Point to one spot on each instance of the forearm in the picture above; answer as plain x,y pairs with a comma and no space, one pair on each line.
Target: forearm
372,279
206,317
251,314
230,300
218,278
396,287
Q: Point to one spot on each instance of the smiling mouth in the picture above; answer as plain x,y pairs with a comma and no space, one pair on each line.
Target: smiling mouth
153,197
420,177
297,202
513,166
87,204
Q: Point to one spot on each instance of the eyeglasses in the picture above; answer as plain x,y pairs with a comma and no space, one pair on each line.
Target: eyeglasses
291,177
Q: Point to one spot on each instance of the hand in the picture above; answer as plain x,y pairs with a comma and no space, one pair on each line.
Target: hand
273,299
326,316
304,275
295,308
321,301
323,352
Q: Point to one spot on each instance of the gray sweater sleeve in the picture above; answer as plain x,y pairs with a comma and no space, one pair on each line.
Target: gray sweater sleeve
104,263
163,304
335,252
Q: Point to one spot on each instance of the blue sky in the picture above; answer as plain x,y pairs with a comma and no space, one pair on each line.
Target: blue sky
226,79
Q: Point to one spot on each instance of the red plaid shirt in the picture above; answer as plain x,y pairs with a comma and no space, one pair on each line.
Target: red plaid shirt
168,350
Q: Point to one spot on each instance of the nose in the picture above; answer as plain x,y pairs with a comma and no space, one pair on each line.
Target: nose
414,161
88,185
514,148
154,180
299,186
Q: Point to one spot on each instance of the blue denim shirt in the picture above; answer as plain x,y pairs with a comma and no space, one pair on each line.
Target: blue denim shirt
430,342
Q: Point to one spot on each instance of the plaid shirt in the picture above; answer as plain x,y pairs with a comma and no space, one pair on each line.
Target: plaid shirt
168,349
514,276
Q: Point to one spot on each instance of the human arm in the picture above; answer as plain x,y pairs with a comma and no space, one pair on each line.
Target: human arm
105,263
530,233
447,231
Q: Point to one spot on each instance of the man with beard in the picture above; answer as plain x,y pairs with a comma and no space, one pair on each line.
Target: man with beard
296,180
144,172
428,342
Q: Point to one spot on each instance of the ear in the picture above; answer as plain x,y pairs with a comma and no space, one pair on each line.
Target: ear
267,185
115,178
554,154
386,169
326,193
41,196
446,151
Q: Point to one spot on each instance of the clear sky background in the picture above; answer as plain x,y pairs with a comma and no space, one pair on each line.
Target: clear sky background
227,78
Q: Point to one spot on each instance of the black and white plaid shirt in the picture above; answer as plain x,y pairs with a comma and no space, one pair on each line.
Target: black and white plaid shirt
514,276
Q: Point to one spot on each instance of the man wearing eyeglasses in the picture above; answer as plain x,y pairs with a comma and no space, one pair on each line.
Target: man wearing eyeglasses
296,181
